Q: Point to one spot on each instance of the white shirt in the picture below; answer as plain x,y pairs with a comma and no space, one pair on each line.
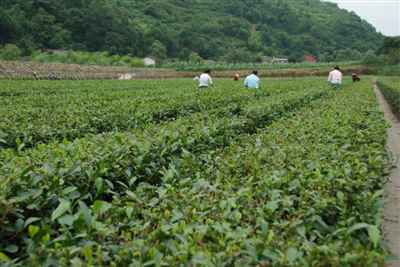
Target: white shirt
205,80
335,77
252,81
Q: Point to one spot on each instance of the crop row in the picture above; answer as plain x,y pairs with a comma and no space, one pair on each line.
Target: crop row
95,168
29,92
72,113
197,66
301,192
390,87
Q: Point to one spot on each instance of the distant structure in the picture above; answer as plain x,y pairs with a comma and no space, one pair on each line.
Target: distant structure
127,76
149,62
277,60
310,59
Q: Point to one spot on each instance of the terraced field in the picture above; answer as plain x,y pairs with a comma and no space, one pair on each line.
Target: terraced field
157,173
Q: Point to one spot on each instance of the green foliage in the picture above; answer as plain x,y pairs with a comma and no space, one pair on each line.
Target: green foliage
158,50
292,177
388,70
128,111
195,57
86,58
391,50
390,44
387,58
175,29
255,41
390,87
371,58
239,55
10,52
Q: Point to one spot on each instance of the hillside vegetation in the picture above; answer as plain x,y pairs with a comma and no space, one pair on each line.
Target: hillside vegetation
230,30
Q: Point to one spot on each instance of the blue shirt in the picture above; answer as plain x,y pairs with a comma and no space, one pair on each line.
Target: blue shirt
252,81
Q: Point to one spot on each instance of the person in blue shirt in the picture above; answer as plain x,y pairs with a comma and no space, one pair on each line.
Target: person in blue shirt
252,81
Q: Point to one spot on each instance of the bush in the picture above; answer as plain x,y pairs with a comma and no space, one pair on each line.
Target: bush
10,52
195,57
136,63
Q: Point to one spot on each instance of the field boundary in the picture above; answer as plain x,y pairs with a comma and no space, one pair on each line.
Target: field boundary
391,212
16,70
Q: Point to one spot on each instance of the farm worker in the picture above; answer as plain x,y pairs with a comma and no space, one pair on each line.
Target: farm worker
252,81
205,79
236,77
355,77
335,77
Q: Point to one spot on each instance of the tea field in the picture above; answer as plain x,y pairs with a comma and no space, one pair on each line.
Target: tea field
158,173
390,87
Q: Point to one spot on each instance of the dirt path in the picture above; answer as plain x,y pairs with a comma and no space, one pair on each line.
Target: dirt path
391,213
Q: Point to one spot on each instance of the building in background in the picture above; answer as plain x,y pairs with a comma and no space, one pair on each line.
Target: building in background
276,60
149,62
310,59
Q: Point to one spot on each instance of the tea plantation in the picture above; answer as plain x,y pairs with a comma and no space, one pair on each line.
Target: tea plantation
390,87
158,173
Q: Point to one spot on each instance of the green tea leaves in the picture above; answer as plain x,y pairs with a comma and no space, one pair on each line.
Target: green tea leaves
62,208
217,179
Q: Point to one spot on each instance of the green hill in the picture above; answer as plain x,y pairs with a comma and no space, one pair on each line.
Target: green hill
233,30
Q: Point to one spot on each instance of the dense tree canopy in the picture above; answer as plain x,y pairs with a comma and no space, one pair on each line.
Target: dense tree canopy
391,50
224,29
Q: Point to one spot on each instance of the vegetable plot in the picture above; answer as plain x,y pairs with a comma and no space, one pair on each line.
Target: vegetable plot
289,179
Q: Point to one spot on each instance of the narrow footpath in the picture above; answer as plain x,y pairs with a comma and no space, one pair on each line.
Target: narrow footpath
391,213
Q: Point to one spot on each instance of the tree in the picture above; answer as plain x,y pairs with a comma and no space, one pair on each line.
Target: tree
391,50
6,27
282,27
158,50
255,41
237,55
194,57
370,58
43,28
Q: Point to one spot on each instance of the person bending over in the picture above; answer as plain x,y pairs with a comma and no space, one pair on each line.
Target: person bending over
252,81
335,78
205,80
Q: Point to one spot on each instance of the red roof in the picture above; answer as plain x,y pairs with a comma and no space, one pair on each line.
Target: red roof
310,58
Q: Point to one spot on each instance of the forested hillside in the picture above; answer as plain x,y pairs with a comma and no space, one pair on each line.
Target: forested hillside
232,30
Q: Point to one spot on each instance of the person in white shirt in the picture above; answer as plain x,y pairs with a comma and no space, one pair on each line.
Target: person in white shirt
252,81
205,79
335,78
